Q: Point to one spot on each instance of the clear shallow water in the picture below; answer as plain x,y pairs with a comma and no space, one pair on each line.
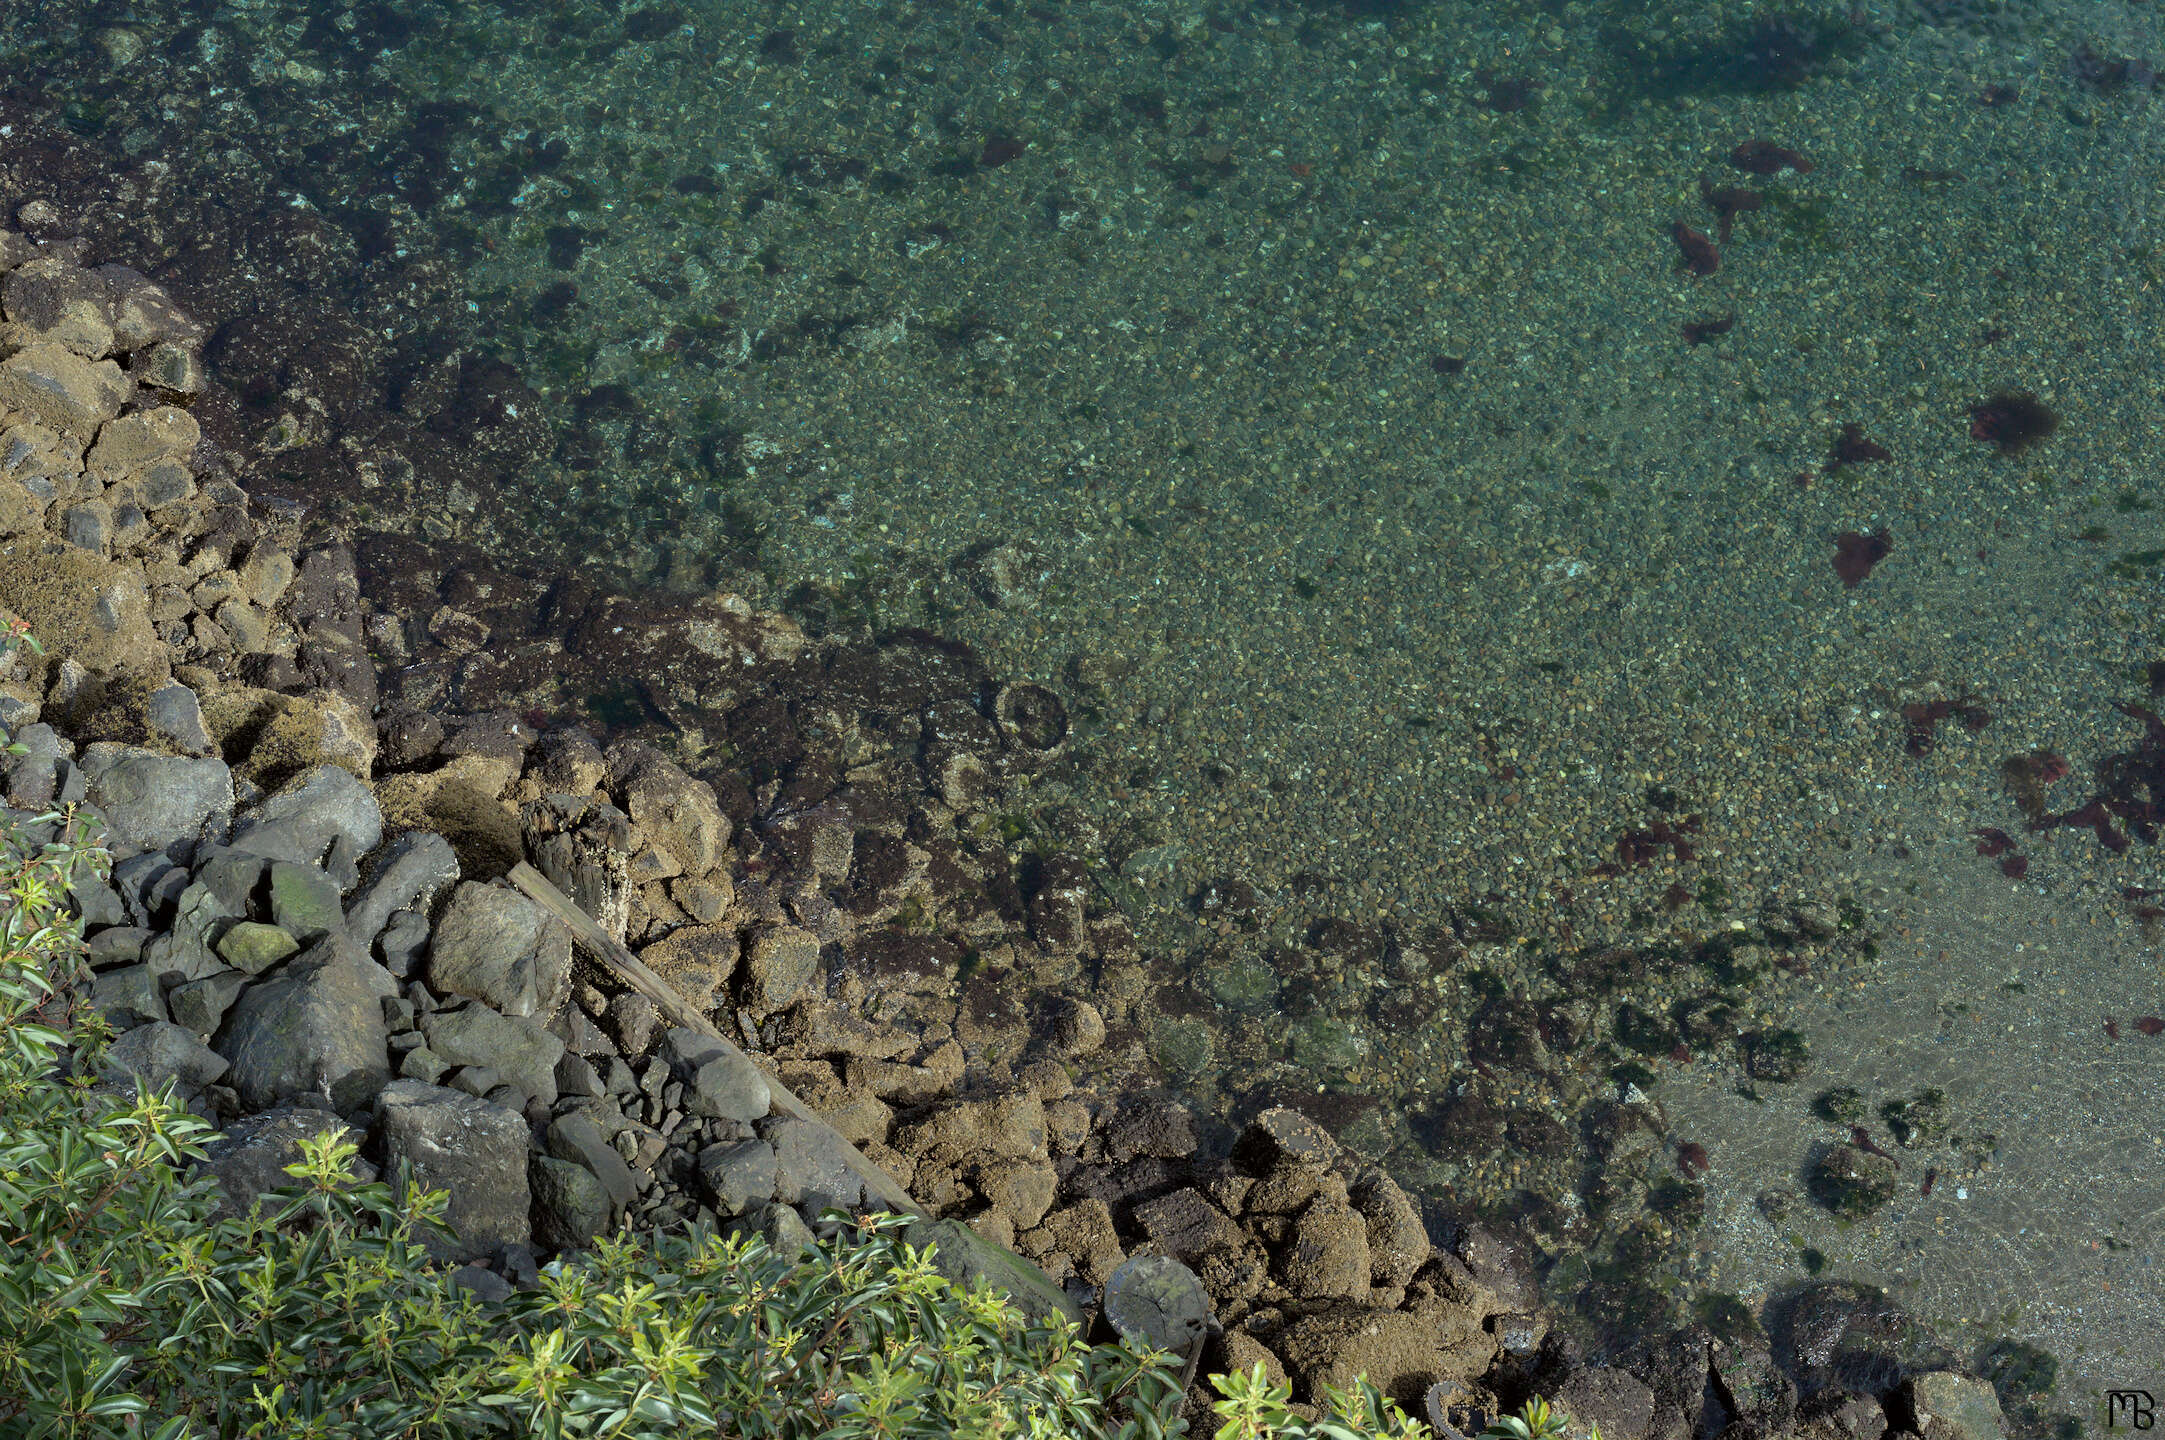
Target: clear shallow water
1305,392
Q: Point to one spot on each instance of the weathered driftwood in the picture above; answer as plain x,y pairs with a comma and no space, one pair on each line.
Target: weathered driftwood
634,972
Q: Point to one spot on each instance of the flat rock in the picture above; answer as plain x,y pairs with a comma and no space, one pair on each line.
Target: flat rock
171,804
473,1149
309,812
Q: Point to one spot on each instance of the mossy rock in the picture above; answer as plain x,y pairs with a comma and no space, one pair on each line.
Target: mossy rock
1185,1047
1920,1119
1851,1182
1326,1043
1777,1056
1843,1105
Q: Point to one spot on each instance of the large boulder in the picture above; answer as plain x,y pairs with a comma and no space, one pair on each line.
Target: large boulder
309,812
494,945
473,1149
167,803
678,815
315,1028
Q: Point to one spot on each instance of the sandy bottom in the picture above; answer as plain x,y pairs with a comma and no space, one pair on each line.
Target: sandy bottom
1996,992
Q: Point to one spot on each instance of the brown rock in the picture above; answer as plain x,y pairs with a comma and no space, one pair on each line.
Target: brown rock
1289,1187
1012,1125
136,442
1086,1232
1398,1242
678,814
59,388
697,959
1188,1227
1328,1258
1402,1353
1022,1191
1283,1134
93,611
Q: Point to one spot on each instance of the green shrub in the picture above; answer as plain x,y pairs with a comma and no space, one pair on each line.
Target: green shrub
125,1311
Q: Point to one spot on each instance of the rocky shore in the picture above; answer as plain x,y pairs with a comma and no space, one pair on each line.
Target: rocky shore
307,924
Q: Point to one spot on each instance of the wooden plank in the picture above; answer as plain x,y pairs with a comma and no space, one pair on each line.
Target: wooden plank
635,973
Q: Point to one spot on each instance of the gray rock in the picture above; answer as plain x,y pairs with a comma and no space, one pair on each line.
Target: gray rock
33,778
719,1083
249,1159
782,1228
97,903
200,1006
478,1081
570,1207
175,716
233,876
778,965
128,996
403,943
119,945
422,1063
159,802
523,1052
812,1165
315,1028
473,1149
88,526
149,885
575,1078
311,810
494,945
417,867
304,902
738,1176
484,1284
189,950
160,1051
578,1137
633,1019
